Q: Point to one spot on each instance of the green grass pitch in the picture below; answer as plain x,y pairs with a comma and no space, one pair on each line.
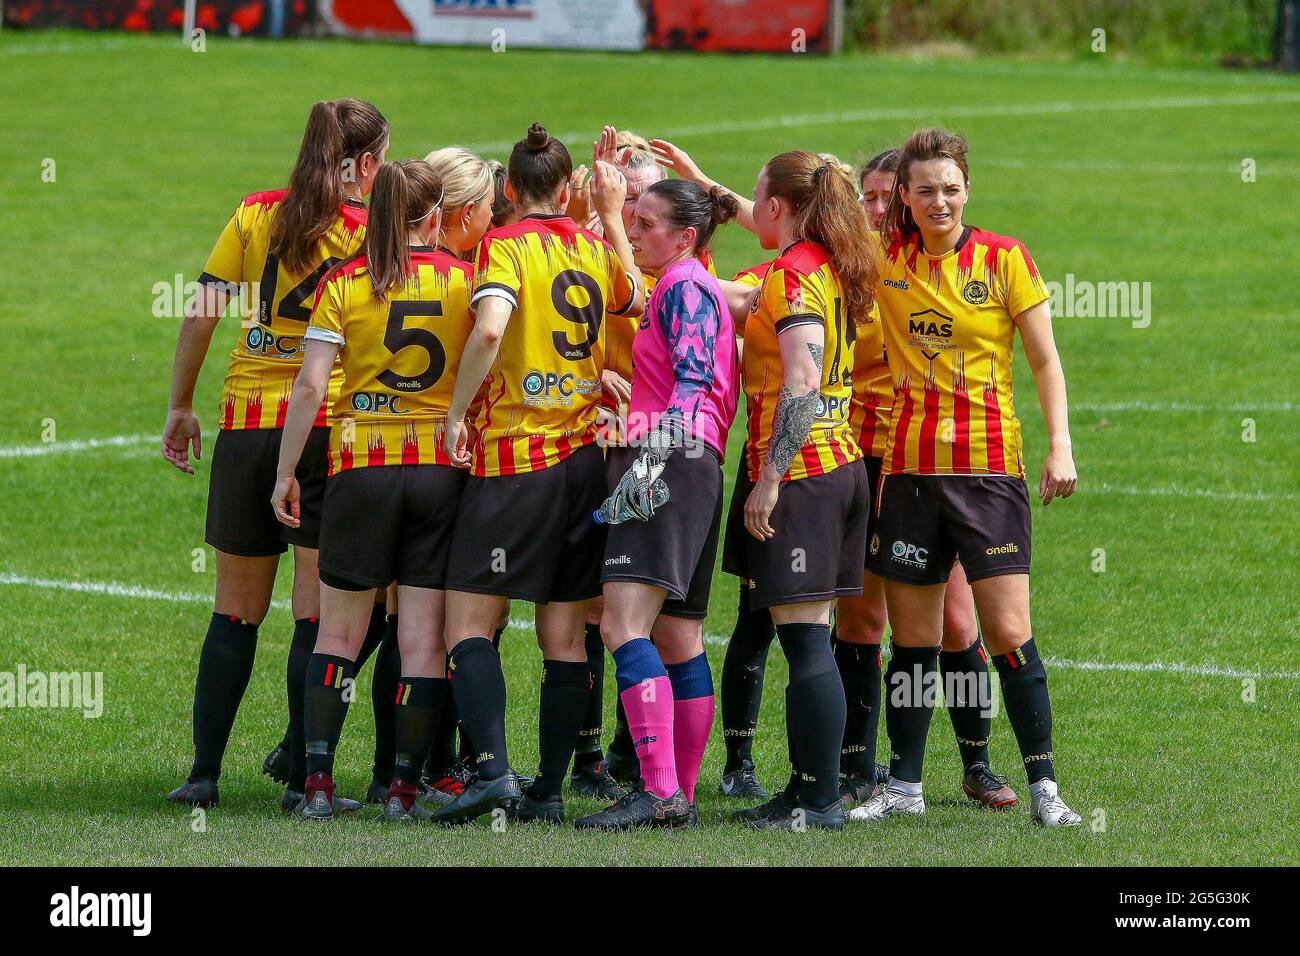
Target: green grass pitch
1185,433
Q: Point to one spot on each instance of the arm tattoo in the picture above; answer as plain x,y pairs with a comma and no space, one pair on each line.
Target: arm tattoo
817,353
791,424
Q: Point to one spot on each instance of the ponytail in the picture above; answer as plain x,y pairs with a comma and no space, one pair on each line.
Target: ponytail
821,191
405,194
337,130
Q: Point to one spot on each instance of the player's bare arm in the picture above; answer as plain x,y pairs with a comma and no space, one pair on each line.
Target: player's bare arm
309,390
182,429
481,348
801,361
1059,477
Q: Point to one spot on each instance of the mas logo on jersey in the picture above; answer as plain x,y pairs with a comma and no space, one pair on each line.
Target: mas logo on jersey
929,324
906,553
975,292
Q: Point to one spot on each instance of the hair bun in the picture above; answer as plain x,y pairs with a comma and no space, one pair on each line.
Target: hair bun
725,205
537,138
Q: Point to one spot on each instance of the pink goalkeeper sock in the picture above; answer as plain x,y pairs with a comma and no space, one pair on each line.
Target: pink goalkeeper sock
649,707
692,721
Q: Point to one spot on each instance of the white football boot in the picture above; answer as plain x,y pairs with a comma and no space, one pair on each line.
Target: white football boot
1047,807
890,801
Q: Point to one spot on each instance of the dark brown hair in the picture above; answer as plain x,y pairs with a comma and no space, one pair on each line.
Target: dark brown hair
884,162
690,206
502,207
820,189
404,195
539,166
337,130
925,144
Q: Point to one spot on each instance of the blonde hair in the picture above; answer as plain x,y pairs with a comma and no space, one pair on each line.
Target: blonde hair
465,177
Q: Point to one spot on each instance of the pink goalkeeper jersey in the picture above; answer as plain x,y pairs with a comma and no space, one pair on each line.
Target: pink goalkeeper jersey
684,358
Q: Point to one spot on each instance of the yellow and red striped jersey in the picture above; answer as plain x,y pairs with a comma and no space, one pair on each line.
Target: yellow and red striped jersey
949,331
873,387
753,276
543,390
399,359
266,359
800,287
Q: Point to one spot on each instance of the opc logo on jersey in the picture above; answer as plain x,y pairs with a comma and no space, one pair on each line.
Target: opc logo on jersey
832,407
907,553
262,342
377,403
553,388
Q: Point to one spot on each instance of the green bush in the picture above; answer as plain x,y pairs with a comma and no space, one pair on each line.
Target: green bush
1149,29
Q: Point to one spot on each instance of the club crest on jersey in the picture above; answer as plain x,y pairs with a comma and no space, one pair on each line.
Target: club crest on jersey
975,292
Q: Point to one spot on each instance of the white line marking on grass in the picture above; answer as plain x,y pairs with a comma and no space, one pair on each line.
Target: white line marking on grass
1177,491
1140,406
114,589
86,444
1160,667
136,592
935,112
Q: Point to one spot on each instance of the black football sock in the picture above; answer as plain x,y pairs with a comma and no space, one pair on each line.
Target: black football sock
442,751
416,707
327,690
859,666
496,638
225,664
479,687
815,712
383,691
1024,693
588,751
465,753
565,687
743,669
376,631
791,788
295,676
622,746
966,695
908,708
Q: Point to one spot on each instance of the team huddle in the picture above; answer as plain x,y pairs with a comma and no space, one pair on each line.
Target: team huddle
498,383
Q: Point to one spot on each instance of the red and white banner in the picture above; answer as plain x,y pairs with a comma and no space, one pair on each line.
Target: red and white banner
771,26
498,24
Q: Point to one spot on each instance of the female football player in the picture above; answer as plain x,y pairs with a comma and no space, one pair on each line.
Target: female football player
397,317
278,244
666,508
860,622
470,190
798,519
951,299
544,287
